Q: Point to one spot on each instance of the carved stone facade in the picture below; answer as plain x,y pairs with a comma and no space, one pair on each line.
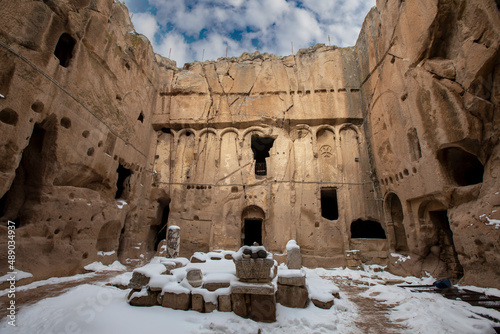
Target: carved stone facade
390,146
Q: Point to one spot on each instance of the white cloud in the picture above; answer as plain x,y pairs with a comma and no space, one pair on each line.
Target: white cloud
275,23
146,24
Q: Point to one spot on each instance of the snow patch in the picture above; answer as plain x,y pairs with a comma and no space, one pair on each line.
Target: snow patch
493,222
99,267
401,258
291,245
17,274
120,203
101,253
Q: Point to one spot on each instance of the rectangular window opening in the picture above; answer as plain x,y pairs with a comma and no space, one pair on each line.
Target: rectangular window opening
329,203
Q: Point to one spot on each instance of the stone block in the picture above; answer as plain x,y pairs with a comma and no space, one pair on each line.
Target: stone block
140,299
138,281
215,286
225,303
292,281
321,304
239,303
195,277
254,270
197,302
173,241
293,259
254,289
209,307
177,301
292,296
262,308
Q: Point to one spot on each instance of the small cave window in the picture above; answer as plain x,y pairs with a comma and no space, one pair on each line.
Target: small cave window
141,117
367,229
329,203
166,130
464,168
64,49
252,232
260,148
122,183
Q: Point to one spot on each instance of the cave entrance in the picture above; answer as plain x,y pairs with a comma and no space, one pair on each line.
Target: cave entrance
252,226
122,183
160,230
329,203
260,148
395,209
64,49
462,167
444,236
252,232
367,229
29,173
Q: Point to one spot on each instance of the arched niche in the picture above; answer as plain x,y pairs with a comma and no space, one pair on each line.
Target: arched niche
367,229
252,225
327,154
394,211
462,167
109,236
433,216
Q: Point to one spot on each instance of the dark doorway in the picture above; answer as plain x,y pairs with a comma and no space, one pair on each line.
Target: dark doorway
397,218
444,240
260,148
253,231
367,229
64,49
329,203
28,179
462,167
121,183
161,229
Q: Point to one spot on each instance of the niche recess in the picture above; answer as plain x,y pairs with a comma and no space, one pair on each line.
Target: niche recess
462,167
123,182
159,231
64,49
367,229
329,203
260,148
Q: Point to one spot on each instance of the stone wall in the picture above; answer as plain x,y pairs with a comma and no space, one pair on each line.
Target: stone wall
394,140
430,73
77,104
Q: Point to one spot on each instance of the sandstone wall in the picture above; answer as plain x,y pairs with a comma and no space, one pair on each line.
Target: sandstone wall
430,88
309,104
70,116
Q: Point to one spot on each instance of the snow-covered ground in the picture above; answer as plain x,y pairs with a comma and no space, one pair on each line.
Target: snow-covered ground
104,309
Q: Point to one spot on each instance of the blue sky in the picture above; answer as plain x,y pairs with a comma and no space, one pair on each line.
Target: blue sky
184,28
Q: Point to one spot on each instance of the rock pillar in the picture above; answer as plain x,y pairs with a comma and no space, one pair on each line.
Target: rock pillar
293,259
173,241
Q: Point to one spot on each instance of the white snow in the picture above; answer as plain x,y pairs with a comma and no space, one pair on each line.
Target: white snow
18,275
151,269
493,222
98,267
104,309
2,97
401,258
292,244
101,253
174,227
120,203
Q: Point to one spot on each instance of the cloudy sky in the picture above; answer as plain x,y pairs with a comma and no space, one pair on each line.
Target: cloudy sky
184,28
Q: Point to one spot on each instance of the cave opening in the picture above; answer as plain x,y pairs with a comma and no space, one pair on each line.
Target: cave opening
448,253
64,49
160,230
367,229
122,183
260,147
252,231
329,203
463,168
141,117
397,218
28,178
